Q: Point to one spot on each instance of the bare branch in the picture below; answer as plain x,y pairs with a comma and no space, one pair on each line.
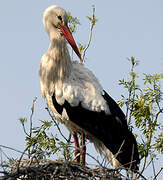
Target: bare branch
154,171
22,121
158,173
67,140
23,153
144,163
92,23
32,109
24,130
13,149
157,114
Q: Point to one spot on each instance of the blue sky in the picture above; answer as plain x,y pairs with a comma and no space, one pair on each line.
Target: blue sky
124,29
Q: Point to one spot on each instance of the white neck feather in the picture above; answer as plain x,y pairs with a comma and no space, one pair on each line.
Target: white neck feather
58,52
55,65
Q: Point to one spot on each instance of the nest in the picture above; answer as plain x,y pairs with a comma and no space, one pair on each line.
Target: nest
47,170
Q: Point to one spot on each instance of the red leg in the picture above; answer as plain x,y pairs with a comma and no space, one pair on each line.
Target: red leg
77,148
83,151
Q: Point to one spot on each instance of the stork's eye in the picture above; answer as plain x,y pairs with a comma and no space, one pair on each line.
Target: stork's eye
60,18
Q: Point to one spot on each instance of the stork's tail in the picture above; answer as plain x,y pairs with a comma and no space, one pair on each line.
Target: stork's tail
126,157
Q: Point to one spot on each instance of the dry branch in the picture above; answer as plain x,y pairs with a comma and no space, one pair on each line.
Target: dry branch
47,169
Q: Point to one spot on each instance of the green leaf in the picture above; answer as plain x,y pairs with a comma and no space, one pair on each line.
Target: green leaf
22,120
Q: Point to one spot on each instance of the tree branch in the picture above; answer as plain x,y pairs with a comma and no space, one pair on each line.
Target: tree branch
67,140
32,109
13,149
158,173
93,21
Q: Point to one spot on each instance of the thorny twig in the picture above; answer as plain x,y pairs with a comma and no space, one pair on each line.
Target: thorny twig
92,23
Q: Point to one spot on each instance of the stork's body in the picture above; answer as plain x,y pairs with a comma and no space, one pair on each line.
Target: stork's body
78,100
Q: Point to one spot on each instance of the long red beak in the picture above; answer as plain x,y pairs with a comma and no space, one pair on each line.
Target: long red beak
68,35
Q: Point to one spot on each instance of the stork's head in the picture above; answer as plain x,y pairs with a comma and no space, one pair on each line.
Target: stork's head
55,21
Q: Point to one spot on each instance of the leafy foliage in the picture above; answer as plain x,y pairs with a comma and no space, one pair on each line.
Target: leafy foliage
143,109
41,144
73,22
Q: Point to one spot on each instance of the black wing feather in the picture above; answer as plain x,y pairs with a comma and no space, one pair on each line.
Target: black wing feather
111,129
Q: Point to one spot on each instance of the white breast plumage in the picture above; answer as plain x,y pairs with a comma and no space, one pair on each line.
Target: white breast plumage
81,87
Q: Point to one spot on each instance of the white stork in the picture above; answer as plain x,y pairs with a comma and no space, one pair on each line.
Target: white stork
78,100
